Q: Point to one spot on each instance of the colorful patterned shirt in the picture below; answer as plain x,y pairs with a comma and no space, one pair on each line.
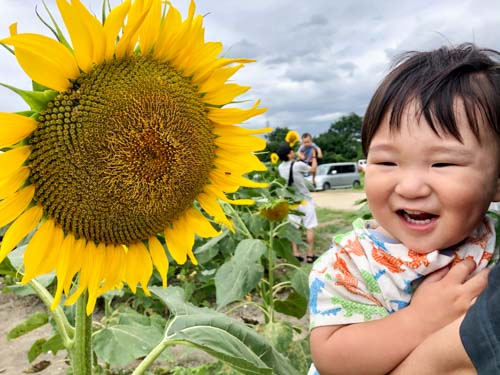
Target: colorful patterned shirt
366,276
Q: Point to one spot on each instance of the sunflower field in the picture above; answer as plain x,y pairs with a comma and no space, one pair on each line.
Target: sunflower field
133,204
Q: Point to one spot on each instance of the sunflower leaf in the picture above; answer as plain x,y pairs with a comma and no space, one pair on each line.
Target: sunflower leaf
123,343
241,274
221,336
37,100
33,322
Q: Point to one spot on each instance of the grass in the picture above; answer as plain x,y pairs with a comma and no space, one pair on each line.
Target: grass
331,222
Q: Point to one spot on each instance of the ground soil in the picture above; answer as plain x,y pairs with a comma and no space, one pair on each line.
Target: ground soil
14,309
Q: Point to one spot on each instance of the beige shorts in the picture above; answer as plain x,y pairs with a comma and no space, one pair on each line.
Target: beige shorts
309,220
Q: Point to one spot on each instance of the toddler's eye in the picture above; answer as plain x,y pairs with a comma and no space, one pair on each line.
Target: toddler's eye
442,165
386,163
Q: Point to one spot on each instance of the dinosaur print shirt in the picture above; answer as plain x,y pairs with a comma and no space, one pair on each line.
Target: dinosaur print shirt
366,276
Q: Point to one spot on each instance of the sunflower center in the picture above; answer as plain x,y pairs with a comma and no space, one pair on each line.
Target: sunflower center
123,153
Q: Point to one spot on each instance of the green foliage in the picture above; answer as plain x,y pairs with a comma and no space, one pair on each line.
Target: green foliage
342,141
221,336
241,274
34,321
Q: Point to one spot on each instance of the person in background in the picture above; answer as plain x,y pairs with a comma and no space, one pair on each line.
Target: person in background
310,153
293,172
431,134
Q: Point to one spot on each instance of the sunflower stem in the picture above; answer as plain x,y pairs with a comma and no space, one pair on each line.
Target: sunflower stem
62,325
270,256
153,354
82,352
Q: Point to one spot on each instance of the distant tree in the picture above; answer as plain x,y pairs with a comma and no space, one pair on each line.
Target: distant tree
342,141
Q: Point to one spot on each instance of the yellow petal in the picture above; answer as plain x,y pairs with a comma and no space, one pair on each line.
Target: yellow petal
234,115
234,130
205,56
179,239
15,204
159,258
136,15
20,229
85,271
96,275
77,257
86,33
209,203
11,160
218,78
150,29
169,31
205,71
240,162
12,183
201,224
45,60
112,26
220,194
241,143
115,267
138,268
225,94
63,261
42,251
220,179
14,128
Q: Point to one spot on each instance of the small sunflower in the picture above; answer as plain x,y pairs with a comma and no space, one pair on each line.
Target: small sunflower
274,158
292,137
127,146
275,211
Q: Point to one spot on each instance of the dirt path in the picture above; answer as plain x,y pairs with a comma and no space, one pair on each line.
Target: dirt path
338,199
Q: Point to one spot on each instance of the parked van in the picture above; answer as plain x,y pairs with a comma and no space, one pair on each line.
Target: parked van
336,175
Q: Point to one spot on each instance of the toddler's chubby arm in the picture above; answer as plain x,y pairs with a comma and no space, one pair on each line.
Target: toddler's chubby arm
378,346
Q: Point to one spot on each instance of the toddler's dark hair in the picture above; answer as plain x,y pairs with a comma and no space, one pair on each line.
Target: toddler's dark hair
435,79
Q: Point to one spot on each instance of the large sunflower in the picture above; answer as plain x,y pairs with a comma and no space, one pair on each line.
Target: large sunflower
127,146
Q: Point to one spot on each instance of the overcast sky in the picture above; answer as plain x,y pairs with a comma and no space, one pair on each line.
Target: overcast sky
316,59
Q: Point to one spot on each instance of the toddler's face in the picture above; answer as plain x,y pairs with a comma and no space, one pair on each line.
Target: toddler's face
426,191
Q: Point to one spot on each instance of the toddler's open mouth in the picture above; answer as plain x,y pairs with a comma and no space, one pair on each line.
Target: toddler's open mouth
416,217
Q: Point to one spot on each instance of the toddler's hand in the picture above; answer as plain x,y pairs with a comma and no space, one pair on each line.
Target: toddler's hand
446,295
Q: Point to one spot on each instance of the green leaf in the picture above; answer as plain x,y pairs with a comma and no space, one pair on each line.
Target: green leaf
221,336
36,349
121,344
53,344
280,334
295,305
300,282
209,249
235,278
37,100
290,233
33,322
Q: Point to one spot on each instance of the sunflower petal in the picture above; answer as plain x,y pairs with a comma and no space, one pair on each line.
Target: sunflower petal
179,239
209,203
63,261
85,272
41,254
241,143
11,160
77,254
234,115
138,255
20,229
14,128
112,26
96,276
232,130
225,94
202,225
12,183
45,60
219,78
15,204
115,267
159,258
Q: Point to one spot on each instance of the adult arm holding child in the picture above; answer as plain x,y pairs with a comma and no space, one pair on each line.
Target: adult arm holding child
376,347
